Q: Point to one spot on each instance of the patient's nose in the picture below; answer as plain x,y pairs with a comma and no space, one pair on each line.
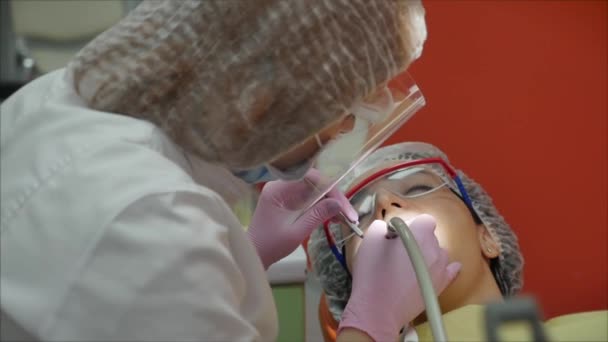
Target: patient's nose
386,203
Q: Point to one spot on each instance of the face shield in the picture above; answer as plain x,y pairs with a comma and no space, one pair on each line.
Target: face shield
337,150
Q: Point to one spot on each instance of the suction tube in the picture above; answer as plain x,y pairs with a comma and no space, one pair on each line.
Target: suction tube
433,312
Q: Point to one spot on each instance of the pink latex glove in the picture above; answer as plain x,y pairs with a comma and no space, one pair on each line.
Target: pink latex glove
273,230
385,293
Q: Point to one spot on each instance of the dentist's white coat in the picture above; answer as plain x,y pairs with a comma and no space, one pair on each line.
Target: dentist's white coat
109,233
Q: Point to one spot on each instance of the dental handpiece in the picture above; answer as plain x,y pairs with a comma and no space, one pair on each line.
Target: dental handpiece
433,312
352,226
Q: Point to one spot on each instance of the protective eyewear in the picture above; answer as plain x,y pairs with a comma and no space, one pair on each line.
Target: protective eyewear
409,181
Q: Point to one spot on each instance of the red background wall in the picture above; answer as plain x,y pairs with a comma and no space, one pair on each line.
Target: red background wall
516,96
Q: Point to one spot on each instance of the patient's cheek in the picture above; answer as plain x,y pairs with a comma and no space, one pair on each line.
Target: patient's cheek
443,237
458,242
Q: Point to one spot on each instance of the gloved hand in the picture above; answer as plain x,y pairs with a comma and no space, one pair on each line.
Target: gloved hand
385,293
273,230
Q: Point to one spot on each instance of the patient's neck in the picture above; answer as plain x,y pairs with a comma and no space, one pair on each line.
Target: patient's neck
481,290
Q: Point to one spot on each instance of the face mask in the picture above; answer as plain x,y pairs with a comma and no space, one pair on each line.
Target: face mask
332,160
339,153
267,173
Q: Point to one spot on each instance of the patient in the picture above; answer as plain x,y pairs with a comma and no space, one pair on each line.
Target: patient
407,180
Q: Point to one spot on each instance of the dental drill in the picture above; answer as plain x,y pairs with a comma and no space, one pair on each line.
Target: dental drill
397,226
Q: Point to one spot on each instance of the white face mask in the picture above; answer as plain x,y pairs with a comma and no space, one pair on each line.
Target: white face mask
334,158
338,154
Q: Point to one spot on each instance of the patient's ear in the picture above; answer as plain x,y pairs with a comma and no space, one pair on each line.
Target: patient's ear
489,247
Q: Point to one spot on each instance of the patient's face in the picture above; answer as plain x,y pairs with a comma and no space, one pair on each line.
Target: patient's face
408,195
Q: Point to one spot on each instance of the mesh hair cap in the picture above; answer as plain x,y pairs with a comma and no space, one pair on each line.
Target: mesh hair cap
335,281
240,82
